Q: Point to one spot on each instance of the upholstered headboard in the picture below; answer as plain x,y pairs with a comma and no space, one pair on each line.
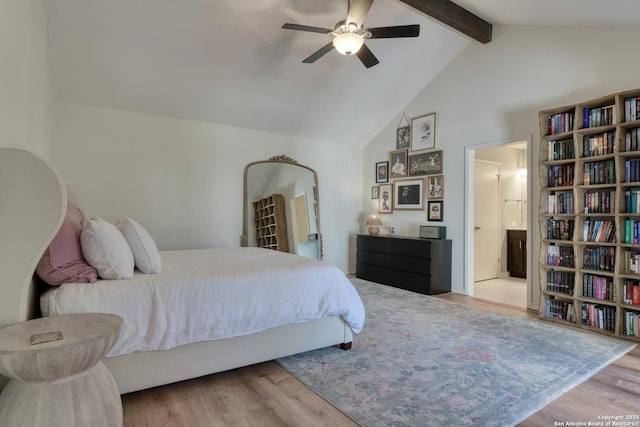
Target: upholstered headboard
33,203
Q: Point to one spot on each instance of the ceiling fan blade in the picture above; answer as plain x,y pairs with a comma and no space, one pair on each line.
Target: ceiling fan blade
393,32
319,53
367,57
306,28
358,10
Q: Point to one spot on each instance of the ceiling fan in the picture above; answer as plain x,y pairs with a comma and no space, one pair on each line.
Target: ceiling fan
349,34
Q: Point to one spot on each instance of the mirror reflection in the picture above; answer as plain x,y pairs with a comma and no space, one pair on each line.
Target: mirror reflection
281,207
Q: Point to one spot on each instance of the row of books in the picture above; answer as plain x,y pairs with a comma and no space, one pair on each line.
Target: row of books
632,170
561,150
598,287
632,108
599,231
560,175
631,261
560,310
560,123
599,201
561,256
598,116
631,200
601,258
631,231
598,145
560,229
561,203
631,292
631,324
560,281
599,316
631,140
602,172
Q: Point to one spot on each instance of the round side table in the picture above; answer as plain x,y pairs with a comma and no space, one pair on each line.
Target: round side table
62,382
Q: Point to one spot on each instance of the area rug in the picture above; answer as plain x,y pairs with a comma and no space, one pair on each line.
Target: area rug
422,361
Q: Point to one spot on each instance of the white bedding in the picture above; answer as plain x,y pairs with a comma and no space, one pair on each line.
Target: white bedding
210,294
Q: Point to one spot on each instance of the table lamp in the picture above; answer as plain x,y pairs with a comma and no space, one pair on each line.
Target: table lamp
373,221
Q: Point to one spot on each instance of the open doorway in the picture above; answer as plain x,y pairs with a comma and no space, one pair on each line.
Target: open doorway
500,214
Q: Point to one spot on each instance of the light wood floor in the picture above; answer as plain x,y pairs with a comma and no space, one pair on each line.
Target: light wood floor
265,395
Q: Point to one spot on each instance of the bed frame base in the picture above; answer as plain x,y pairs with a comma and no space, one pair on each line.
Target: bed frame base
142,370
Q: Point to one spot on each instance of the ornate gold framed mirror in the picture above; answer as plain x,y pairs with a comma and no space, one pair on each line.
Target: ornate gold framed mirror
281,207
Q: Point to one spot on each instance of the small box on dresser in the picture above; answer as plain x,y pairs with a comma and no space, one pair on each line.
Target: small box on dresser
410,263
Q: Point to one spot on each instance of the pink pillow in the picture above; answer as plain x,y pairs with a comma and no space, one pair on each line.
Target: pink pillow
63,262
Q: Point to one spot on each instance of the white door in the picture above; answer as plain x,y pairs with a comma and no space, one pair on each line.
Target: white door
486,234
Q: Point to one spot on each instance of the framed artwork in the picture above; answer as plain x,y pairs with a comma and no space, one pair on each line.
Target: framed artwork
435,187
385,200
398,163
431,162
374,192
419,164
423,132
402,137
382,172
409,194
434,211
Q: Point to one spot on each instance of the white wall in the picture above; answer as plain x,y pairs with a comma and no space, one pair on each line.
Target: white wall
493,93
25,89
183,180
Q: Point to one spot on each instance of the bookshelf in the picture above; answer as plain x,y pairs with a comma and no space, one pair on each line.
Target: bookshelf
270,223
590,214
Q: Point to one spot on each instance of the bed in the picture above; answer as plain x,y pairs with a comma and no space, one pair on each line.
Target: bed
197,341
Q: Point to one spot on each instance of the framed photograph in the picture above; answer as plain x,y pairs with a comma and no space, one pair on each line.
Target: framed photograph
423,132
398,163
382,172
374,192
402,137
434,211
409,194
435,187
419,164
385,200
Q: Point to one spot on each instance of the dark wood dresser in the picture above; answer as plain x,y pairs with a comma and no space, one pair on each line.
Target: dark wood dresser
411,263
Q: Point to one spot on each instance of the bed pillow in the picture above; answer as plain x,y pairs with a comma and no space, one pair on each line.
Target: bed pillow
145,251
105,248
62,261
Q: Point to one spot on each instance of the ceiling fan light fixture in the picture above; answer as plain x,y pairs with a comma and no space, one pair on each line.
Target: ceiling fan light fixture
348,43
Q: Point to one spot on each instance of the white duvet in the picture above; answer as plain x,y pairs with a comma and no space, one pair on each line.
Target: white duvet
210,294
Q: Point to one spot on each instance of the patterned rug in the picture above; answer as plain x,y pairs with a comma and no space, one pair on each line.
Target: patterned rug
421,361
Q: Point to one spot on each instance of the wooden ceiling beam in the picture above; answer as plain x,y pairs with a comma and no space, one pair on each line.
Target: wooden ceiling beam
457,17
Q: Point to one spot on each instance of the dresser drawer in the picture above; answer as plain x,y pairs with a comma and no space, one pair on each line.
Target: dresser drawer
411,248
395,262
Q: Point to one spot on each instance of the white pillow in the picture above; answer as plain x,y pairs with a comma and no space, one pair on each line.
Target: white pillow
105,249
145,251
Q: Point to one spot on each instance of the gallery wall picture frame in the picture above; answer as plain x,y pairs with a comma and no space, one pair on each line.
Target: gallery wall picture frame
385,200
435,187
403,133
398,163
434,211
382,172
432,164
375,192
409,194
403,137
423,132
418,164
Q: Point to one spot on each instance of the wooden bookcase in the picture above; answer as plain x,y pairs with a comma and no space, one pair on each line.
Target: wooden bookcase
270,223
590,180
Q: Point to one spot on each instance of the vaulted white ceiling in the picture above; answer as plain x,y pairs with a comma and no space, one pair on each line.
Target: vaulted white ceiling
231,63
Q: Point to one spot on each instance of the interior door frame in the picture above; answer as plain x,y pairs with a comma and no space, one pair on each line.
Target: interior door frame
469,216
